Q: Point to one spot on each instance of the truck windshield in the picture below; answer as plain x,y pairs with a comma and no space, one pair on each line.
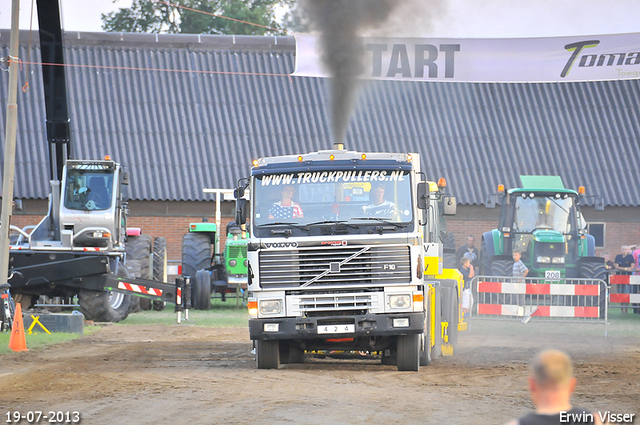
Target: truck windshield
328,196
543,213
88,190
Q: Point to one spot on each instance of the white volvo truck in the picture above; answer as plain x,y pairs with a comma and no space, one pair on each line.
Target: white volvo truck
346,255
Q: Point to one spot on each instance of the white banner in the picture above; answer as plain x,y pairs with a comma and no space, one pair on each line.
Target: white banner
534,60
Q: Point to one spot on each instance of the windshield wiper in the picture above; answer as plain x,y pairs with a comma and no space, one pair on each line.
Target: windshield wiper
381,220
282,223
345,222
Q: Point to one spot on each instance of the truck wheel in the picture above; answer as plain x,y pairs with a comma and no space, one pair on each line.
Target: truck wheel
409,352
268,354
159,266
105,306
201,290
196,253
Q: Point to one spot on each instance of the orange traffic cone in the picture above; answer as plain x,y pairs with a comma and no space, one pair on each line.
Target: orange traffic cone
18,341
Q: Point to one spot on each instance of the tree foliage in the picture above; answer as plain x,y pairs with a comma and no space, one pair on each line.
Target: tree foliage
154,16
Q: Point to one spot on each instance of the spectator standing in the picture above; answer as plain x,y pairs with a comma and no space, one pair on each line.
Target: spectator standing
551,384
635,289
468,272
624,265
469,251
519,270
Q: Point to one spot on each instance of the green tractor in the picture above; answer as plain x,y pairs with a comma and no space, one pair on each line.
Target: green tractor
542,220
212,271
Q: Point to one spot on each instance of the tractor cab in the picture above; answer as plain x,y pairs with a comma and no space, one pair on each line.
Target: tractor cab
541,220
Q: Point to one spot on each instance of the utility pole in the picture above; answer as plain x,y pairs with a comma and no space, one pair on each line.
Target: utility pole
10,142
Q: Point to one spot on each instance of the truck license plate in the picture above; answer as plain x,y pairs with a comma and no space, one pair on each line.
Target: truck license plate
552,274
336,329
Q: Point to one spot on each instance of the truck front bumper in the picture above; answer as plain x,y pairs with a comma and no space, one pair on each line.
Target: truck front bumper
323,327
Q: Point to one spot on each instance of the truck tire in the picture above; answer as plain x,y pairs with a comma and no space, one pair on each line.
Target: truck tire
409,352
595,270
159,266
201,290
196,253
268,354
105,306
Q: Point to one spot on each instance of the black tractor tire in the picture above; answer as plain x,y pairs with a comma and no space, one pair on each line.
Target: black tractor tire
409,353
201,290
485,259
595,270
196,253
139,248
159,266
448,241
105,306
137,303
268,354
502,268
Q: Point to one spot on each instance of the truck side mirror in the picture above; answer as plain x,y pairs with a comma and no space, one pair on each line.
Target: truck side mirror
125,179
241,211
238,193
423,196
449,205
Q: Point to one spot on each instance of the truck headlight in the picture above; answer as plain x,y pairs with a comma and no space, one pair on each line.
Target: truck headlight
544,260
558,260
399,301
270,307
233,263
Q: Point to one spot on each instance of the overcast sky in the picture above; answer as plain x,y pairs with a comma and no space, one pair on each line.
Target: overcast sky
450,18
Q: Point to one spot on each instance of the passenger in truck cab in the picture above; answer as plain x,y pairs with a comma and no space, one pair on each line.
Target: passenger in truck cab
379,207
286,208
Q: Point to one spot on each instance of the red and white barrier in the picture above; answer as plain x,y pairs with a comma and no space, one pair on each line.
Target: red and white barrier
139,289
538,311
622,279
538,288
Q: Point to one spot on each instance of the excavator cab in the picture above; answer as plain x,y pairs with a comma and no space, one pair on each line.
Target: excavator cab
89,209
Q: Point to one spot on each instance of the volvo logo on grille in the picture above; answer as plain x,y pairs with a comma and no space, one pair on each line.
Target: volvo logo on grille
334,267
268,245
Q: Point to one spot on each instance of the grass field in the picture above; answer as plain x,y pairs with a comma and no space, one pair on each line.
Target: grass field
228,315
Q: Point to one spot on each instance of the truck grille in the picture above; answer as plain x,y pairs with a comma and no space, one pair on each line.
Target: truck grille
344,304
238,251
356,265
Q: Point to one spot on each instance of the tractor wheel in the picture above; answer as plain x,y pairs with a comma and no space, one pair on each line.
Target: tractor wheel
485,259
409,352
201,290
593,270
268,354
196,253
139,248
502,268
105,306
137,303
159,266
448,241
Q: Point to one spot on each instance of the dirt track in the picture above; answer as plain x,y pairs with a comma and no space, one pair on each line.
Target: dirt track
197,375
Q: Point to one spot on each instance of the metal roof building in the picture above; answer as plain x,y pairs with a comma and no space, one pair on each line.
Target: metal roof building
184,112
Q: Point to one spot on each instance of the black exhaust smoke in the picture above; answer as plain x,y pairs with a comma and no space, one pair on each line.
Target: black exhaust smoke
341,22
